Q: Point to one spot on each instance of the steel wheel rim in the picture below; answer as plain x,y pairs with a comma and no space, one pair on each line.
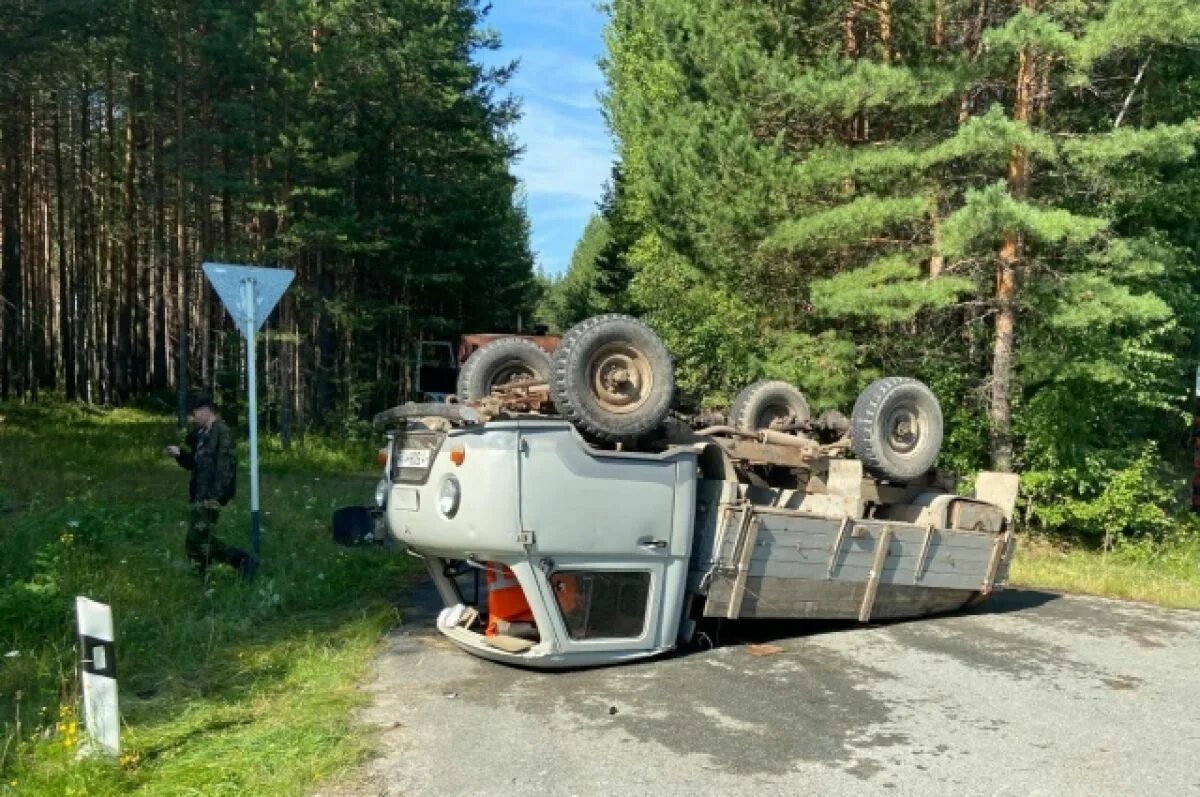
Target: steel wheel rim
620,378
511,372
773,415
904,429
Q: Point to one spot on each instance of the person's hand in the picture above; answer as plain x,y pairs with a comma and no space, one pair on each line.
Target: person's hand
173,451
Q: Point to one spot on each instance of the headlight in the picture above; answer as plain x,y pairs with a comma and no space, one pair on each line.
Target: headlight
449,495
381,493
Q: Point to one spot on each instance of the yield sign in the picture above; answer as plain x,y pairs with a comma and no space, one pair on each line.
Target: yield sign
250,294
248,304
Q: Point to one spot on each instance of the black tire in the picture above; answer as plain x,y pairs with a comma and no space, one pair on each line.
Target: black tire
896,429
766,401
613,378
500,362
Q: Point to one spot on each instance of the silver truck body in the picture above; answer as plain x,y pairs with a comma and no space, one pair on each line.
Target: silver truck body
655,541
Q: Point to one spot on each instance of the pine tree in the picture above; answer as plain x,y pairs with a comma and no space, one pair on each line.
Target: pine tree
954,190
358,142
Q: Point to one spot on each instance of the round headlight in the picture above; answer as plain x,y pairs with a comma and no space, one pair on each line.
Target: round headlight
449,495
381,493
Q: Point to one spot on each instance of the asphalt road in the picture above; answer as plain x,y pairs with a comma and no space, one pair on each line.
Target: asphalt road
1031,693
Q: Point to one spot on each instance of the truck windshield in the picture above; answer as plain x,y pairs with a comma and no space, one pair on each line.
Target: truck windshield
436,354
598,604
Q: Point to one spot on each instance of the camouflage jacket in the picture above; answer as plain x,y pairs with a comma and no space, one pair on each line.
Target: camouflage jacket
212,459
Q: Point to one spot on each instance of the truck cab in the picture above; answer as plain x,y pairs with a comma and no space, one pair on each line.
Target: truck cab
612,529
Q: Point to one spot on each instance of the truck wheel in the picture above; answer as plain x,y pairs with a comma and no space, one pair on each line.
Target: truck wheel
768,401
613,378
499,363
896,429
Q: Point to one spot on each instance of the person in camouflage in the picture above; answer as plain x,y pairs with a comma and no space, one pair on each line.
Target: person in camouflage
211,456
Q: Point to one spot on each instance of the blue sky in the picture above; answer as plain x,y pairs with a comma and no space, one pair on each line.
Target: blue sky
568,153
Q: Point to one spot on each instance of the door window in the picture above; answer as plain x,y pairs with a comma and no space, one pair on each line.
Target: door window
600,604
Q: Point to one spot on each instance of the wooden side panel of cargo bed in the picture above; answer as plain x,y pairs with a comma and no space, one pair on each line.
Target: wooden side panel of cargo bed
813,567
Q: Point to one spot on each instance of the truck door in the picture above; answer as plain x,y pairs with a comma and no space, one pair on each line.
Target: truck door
610,539
437,371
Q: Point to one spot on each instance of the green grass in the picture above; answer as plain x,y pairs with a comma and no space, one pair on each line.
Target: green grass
1166,573
225,687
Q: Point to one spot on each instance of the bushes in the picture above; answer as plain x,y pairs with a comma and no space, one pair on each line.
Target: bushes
1106,502
1095,463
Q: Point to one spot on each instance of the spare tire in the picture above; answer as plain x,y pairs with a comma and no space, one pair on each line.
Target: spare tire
768,401
500,362
896,429
613,378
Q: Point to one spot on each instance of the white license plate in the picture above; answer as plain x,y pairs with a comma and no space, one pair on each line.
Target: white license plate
413,458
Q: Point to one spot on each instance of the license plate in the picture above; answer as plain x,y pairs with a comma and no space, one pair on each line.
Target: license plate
413,458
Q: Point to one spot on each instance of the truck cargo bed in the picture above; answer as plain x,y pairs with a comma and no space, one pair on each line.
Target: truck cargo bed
754,561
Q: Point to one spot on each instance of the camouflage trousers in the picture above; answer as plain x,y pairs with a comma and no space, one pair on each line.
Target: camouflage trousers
202,545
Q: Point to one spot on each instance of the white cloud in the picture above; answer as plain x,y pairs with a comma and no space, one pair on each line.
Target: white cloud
567,154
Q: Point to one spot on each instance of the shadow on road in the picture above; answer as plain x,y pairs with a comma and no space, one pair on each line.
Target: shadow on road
423,605
718,633
1013,600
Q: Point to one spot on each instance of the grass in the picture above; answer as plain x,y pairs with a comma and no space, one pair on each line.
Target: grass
233,688
225,687
1166,573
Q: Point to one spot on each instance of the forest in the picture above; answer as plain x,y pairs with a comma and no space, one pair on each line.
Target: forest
997,197
358,142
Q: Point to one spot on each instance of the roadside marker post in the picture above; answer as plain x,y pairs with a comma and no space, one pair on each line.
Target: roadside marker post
98,675
250,294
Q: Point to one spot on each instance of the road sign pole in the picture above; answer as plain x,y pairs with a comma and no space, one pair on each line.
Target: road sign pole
249,294
251,335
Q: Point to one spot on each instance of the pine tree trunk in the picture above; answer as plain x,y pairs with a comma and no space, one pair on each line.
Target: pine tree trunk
326,353
107,337
83,254
66,299
40,323
159,372
181,252
12,293
287,355
849,35
204,216
1000,406
127,343
884,7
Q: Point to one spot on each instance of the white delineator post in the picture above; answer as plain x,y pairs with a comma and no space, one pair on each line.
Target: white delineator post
98,674
250,294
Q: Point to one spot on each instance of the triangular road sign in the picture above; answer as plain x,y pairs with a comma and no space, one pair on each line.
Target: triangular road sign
267,285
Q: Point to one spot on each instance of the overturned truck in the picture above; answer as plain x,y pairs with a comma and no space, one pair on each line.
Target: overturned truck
607,527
